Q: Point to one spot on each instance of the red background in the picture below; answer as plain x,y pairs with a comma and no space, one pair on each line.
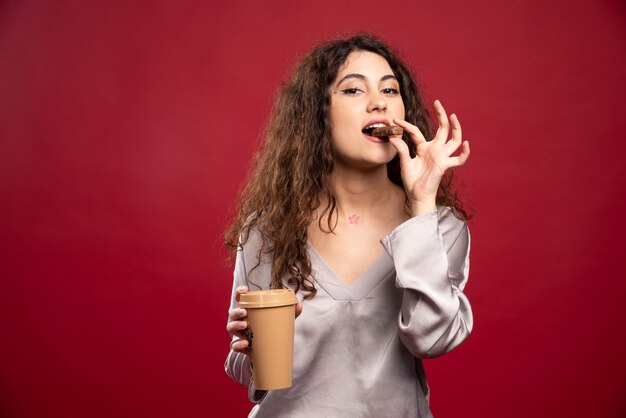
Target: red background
126,129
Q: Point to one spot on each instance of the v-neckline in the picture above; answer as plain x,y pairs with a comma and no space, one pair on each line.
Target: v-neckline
360,287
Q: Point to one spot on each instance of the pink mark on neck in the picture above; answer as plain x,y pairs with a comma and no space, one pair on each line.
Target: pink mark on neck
354,218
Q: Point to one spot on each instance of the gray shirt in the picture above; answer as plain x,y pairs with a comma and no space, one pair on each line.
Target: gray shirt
358,346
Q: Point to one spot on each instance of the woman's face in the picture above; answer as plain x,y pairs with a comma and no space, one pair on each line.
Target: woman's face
364,93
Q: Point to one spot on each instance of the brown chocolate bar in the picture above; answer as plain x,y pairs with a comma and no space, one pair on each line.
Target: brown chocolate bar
387,131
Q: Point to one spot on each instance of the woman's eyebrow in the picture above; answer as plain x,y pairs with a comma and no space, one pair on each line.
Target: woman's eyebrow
362,77
388,77
347,76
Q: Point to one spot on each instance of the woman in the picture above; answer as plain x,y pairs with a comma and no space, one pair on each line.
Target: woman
324,196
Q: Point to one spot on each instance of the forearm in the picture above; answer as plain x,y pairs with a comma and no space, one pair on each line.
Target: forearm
435,315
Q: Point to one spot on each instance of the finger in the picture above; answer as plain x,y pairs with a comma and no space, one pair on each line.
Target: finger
236,326
444,125
237,313
402,148
457,135
298,309
239,291
240,346
414,131
462,158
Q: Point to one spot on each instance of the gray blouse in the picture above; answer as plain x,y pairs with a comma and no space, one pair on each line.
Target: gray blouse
358,346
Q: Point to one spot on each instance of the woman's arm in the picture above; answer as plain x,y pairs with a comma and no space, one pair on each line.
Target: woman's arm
431,256
237,363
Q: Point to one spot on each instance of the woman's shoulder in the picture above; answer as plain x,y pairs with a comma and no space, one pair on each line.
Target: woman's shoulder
257,261
250,236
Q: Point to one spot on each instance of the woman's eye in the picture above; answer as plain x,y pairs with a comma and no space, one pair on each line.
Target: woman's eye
351,91
390,90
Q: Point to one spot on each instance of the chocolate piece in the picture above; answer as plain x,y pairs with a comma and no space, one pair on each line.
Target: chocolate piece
387,131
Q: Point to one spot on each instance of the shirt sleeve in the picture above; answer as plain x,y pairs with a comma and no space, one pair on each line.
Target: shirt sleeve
237,365
431,257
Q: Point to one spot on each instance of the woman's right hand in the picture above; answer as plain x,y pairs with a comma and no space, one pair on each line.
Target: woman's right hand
238,324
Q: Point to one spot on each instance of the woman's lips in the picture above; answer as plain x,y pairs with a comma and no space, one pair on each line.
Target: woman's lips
376,139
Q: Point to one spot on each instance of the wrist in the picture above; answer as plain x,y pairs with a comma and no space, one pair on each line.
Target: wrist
422,207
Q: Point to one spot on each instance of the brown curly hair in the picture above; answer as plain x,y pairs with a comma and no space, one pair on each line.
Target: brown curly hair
293,166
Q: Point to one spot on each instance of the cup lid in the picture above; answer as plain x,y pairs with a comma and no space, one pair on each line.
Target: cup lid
267,298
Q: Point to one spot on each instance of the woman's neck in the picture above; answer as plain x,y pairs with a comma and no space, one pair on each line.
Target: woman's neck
363,192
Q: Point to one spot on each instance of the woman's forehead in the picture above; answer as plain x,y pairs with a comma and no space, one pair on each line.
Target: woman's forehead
368,64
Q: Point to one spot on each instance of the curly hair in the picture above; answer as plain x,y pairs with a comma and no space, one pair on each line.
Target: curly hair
293,167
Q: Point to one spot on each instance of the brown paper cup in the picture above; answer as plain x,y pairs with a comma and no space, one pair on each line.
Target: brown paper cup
271,315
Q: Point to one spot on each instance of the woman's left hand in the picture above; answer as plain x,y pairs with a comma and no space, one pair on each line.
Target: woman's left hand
421,175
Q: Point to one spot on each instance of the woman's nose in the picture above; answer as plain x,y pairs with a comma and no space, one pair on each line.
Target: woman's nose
377,103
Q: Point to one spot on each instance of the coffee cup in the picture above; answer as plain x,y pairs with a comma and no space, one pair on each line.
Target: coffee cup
271,318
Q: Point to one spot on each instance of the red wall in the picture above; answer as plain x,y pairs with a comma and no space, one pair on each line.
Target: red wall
126,129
